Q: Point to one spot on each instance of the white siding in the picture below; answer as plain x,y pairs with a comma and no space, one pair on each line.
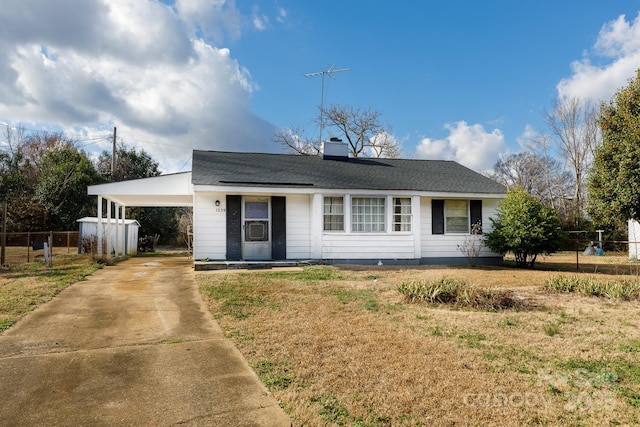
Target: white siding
306,240
367,246
489,210
446,245
209,226
298,227
371,246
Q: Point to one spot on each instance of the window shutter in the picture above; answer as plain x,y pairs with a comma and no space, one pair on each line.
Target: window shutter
234,228
475,208
437,216
278,228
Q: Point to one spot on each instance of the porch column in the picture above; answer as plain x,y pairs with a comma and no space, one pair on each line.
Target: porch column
316,226
124,230
416,226
99,229
109,229
117,233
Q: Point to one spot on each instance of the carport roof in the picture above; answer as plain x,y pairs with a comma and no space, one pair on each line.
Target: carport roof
170,190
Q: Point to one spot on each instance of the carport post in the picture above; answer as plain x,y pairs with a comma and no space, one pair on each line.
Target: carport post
109,231
99,227
124,230
117,233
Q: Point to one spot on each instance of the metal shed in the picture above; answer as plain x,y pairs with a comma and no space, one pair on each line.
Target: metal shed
88,230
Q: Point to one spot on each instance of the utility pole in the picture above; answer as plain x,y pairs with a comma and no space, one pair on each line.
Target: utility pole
329,72
113,156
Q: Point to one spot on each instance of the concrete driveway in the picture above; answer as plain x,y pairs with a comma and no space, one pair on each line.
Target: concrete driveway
133,345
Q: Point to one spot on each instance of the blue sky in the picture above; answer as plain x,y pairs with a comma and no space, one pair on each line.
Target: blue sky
461,80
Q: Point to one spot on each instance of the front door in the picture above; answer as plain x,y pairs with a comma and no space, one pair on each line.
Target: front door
256,239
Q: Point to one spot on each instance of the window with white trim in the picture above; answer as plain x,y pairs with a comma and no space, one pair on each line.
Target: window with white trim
368,214
333,214
401,214
456,216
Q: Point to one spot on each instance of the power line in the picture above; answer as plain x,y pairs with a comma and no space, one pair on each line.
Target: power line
185,164
76,137
92,139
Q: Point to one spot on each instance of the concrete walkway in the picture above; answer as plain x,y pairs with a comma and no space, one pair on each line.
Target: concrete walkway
133,345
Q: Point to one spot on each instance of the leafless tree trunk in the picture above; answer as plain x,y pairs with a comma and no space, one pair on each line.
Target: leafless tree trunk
361,129
295,141
385,145
185,227
573,122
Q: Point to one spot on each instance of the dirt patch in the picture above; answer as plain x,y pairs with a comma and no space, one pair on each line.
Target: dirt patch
339,346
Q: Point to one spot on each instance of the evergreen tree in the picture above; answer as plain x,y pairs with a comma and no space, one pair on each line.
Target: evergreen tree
525,227
62,187
614,184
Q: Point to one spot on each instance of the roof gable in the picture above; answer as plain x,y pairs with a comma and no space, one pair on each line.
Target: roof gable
286,170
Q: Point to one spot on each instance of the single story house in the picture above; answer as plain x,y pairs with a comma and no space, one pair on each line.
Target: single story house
256,207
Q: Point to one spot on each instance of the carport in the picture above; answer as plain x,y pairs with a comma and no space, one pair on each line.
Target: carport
172,190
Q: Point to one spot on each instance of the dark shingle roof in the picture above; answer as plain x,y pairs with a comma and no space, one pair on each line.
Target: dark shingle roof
287,170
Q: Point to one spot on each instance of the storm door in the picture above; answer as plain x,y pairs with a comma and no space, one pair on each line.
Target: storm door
256,241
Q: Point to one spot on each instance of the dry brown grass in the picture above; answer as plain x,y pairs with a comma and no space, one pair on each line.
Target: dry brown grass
341,347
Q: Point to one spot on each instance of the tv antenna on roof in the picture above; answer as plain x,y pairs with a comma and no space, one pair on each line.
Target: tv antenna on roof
328,72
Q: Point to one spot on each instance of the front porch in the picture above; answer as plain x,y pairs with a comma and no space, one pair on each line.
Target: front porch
251,265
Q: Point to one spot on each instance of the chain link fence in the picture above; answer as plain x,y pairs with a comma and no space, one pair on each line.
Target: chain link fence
21,248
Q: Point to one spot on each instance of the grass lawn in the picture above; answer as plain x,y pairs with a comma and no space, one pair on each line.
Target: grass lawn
25,286
342,345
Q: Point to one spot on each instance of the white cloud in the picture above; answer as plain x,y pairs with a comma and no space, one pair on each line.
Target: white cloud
618,44
133,64
260,21
619,37
210,18
470,145
282,15
527,139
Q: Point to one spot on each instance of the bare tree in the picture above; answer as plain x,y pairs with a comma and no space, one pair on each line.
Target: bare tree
295,141
538,174
559,181
573,123
524,169
185,228
13,137
385,145
361,129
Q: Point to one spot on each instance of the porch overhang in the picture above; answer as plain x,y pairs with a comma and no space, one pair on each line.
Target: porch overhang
174,190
